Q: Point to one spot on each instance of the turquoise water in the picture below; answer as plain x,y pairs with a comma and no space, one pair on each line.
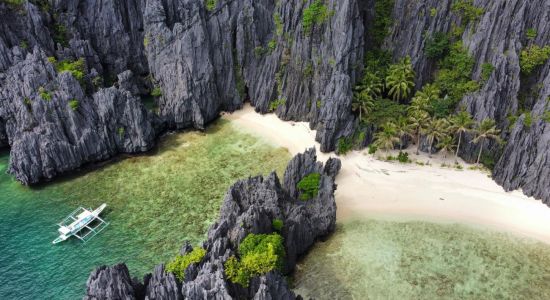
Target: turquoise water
155,202
377,259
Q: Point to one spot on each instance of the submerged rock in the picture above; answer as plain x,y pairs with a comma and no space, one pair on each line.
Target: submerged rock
250,206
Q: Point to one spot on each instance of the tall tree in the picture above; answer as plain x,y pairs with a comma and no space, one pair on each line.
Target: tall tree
446,144
365,93
486,130
435,130
461,123
418,121
400,80
362,102
387,137
402,130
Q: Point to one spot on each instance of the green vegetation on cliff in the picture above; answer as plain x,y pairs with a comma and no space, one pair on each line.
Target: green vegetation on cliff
314,14
259,254
309,186
180,263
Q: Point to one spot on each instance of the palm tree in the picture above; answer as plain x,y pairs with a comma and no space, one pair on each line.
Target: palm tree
362,102
386,138
365,93
419,103
435,130
461,123
446,144
400,79
417,123
486,130
371,84
402,129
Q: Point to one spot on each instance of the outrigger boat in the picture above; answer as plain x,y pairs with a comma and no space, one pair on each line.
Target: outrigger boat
82,223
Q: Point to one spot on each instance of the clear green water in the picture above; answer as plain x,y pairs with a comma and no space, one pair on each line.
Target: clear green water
374,259
156,201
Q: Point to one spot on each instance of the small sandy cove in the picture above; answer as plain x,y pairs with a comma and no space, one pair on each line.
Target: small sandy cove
369,186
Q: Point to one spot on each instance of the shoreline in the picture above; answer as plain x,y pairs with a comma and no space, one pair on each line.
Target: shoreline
369,187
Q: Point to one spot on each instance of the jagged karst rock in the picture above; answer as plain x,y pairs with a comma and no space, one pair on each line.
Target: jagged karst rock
21,32
250,206
241,49
49,137
111,283
162,285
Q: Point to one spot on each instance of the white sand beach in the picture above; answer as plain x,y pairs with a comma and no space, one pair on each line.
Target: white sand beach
368,186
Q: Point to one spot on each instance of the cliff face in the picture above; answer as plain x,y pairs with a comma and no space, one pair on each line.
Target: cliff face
207,61
497,38
48,137
249,206
203,60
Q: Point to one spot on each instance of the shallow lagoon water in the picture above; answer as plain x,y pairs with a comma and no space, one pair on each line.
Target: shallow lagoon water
155,202
380,259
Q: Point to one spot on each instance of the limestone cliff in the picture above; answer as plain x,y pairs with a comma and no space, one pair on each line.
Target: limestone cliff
203,59
497,38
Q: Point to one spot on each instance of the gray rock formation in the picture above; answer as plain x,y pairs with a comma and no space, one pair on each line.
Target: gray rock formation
496,38
48,136
202,58
249,206
203,61
117,278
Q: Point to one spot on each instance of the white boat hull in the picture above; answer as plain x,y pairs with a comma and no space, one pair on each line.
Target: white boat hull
81,219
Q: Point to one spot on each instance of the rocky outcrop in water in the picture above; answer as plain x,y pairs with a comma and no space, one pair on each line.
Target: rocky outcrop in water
497,38
54,127
249,206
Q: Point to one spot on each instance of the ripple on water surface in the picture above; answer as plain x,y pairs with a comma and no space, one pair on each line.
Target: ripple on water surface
372,259
156,201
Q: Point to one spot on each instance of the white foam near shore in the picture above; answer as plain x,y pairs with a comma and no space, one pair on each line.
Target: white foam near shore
368,186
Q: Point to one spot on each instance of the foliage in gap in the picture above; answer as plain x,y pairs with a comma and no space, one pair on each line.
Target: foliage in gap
74,104
382,21
259,254
277,225
272,45
532,57
156,92
531,34
44,94
278,24
316,13
486,71
60,35
273,105
180,263
309,186
76,67
467,10
437,46
210,4
454,77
